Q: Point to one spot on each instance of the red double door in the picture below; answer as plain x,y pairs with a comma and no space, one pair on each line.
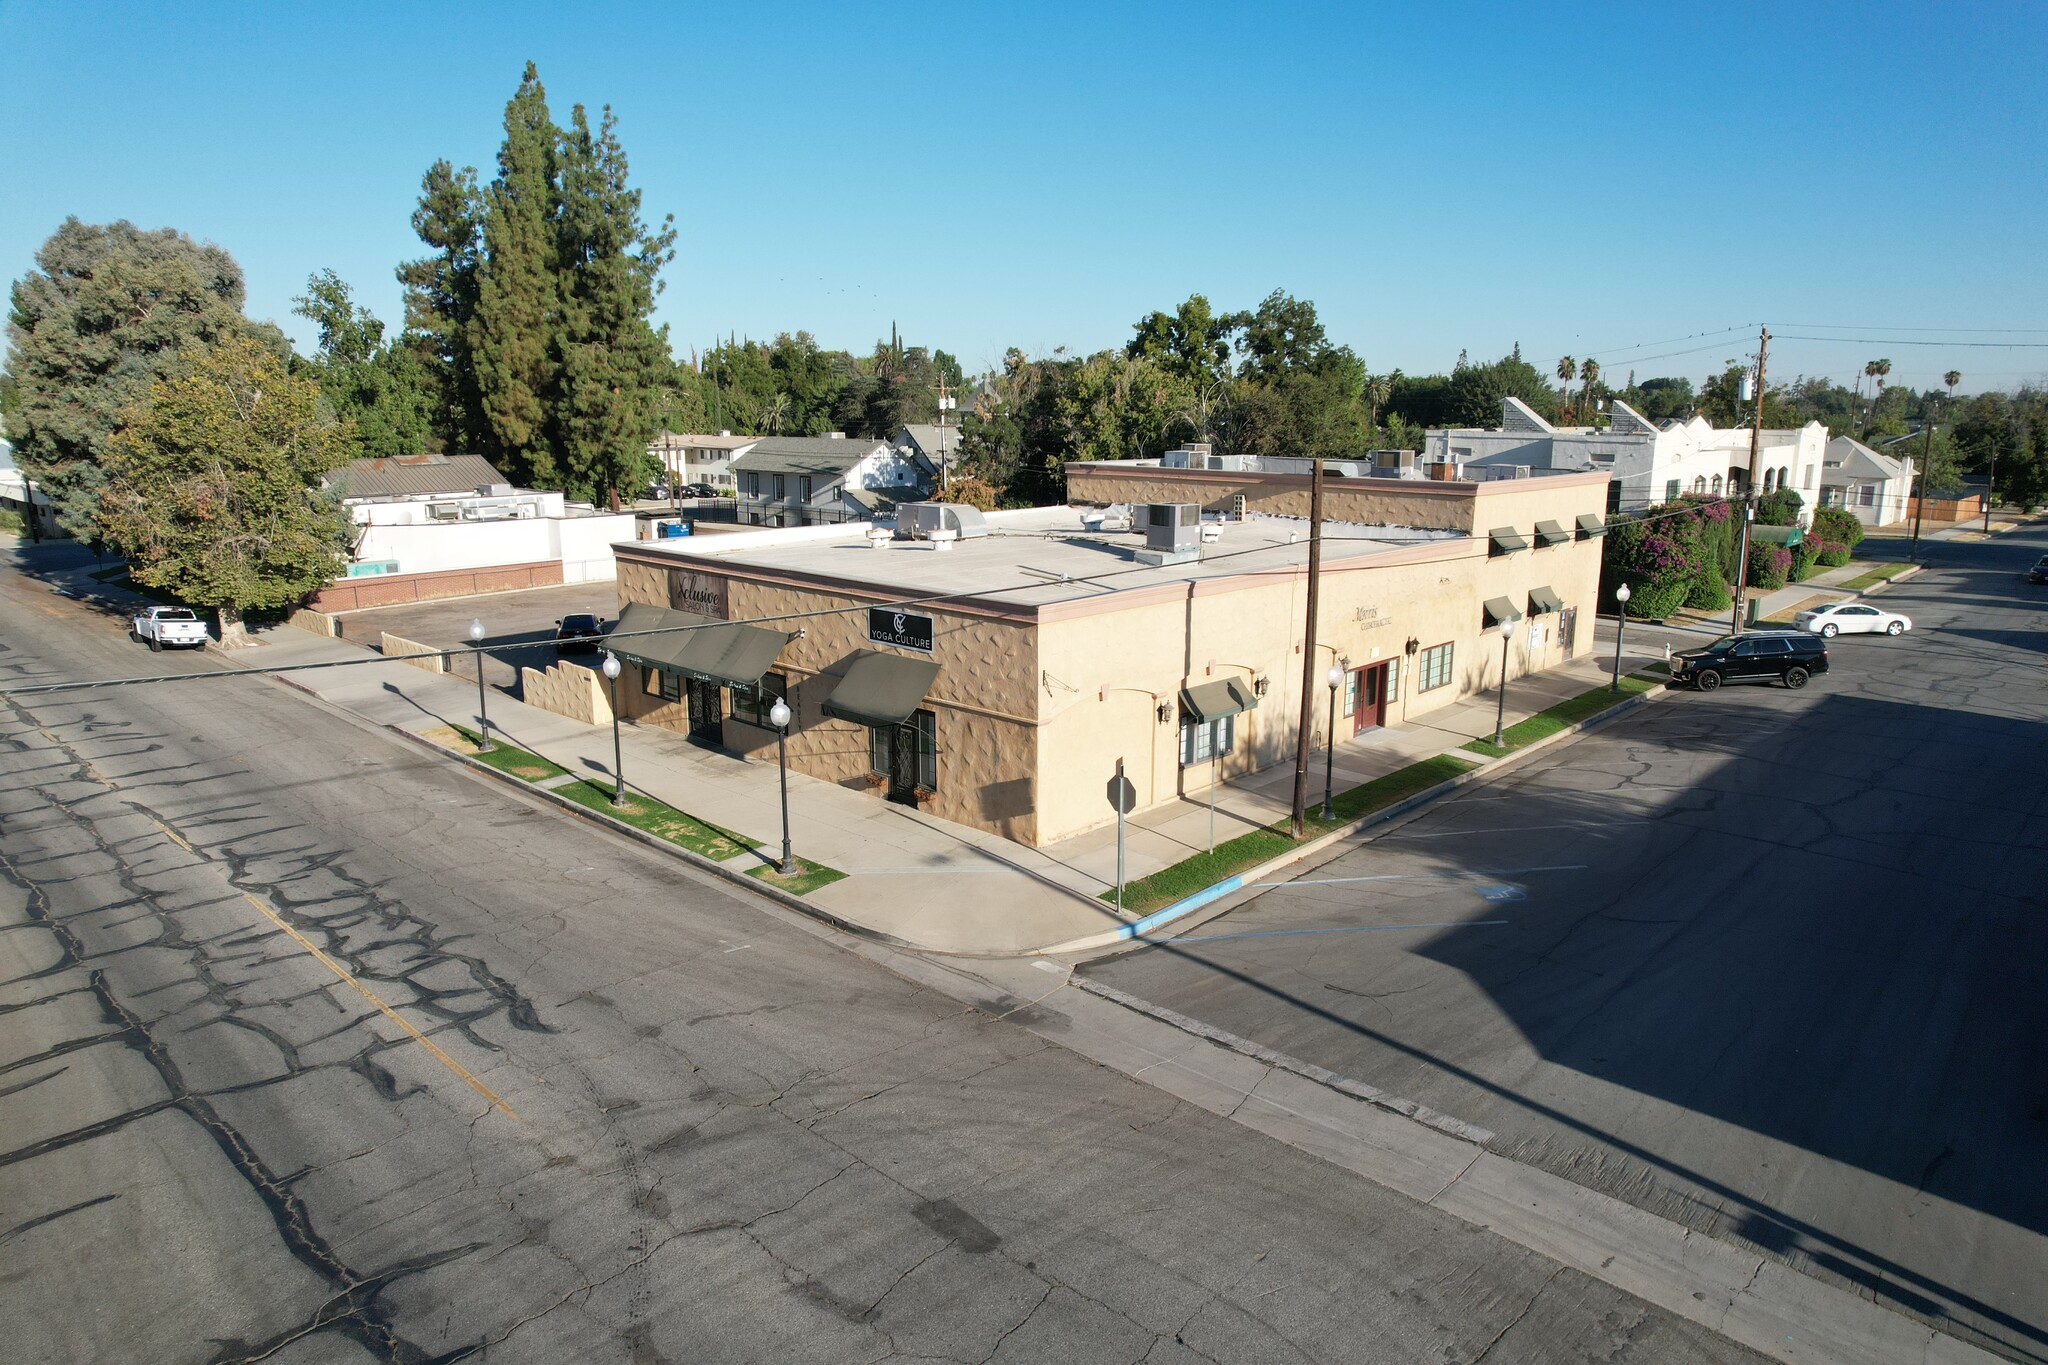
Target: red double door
1365,697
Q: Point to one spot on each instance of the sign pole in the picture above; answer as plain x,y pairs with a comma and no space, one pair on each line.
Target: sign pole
1120,838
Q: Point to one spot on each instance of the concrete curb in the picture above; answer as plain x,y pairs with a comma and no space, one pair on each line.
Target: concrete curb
1343,1085
1484,770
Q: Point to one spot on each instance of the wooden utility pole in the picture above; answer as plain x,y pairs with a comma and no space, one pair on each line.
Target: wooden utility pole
1756,444
1308,647
1920,479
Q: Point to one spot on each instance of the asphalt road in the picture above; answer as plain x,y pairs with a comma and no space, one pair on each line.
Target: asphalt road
656,1123
1768,963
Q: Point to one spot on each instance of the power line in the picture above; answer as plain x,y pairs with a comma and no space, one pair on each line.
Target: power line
1913,341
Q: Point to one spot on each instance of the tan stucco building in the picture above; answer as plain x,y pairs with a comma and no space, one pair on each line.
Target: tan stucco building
996,680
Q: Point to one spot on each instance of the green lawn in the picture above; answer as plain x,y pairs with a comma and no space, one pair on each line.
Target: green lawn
809,876
509,758
1559,717
1190,875
661,820
1883,573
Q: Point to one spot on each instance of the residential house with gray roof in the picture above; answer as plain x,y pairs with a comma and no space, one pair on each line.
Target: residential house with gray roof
818,480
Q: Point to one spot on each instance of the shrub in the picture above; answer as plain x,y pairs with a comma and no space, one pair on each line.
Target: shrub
1708,592
1833,555
1838,526
1655,601
1768,565
1779,507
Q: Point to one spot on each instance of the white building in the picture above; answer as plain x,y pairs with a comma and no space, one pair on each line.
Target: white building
432,513
806,480
1877,488
1645,463
19,495
708,460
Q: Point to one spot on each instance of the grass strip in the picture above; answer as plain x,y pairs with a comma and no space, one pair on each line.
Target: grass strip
1205,869
1883,573
658,818
808,877
1562,716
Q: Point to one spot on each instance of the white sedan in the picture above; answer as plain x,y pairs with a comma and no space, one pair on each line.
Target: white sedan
1851,618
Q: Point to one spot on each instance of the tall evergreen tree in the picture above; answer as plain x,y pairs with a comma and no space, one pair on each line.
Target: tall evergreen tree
519,291
612,360
440,303
383,390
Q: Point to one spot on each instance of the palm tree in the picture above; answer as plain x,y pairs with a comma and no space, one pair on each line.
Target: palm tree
1567,371
1870,373
1589,375
1378,389
1952,378
775,413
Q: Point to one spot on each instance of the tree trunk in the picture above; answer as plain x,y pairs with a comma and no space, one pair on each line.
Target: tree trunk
232,636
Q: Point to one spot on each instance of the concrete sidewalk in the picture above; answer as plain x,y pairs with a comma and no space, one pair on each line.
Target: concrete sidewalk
910,876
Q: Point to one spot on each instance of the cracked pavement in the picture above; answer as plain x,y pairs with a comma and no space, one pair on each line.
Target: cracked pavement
1763,963
715,1136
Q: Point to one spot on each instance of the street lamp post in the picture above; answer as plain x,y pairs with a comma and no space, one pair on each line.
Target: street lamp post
1621,596
778,716
611,673
1500,712
483,717
1336,676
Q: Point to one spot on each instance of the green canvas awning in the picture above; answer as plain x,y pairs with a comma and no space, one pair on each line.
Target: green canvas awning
701,647
1590,526
1499,609
1550,533
1776,535
1505,540
881,689
1543,601
1214,701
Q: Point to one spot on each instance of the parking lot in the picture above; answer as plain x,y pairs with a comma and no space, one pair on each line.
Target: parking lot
519,627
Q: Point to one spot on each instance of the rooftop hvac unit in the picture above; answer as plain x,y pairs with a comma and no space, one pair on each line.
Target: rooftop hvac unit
1444,470
1393,459
1173,526
494,490
918,520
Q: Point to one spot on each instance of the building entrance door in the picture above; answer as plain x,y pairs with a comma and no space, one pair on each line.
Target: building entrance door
707,712
1568,629
1369,698
908,755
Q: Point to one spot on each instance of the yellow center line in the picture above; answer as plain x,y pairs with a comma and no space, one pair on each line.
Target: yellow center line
309,946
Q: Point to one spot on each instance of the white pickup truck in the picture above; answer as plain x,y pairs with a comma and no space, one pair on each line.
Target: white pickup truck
170,626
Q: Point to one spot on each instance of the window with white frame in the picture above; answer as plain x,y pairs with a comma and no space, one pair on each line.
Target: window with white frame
1433,668
1201,741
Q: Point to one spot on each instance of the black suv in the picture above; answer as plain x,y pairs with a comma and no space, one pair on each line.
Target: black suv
1790,657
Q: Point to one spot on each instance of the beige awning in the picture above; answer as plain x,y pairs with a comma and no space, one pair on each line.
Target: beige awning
1499,609
1550,533
881,689
1542,601
1214,701
1590,526
1505,540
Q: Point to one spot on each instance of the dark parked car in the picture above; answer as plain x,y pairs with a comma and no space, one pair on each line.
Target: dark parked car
579,634
1789,657
2039,573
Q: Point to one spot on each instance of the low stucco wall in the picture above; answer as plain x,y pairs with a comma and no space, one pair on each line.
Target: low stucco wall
353,594
394,645
567,690
317,622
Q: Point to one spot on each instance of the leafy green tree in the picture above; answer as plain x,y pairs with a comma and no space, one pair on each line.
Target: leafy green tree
519,291
2023,477
106,312
1193,342
213,484
1476,391
383,390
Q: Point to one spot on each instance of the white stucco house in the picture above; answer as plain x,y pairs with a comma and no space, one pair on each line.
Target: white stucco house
1646,463
689,458
807,480
1877,488
431,513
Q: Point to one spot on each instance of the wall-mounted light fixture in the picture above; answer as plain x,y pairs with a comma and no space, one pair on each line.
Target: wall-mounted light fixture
1413,646
1165,712
1259,686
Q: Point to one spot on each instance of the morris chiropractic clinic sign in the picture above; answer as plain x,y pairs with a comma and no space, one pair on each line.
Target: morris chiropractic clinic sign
906,630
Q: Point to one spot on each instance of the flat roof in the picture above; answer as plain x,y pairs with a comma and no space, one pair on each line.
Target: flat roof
1033,558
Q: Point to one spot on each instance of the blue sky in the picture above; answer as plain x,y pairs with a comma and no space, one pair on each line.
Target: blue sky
1583,179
